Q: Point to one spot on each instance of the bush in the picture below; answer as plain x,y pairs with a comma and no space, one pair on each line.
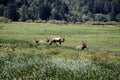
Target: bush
51,21
100,17
78,22
5,20
43,21
103,23
112,23
38,21
97,23
29,21
57,22
118,17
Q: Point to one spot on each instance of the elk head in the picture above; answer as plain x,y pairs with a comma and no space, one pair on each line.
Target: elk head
62,39
36,41
47,39
84,45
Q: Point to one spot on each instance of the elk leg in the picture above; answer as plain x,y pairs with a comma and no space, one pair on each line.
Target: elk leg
82,48
59,42
51,43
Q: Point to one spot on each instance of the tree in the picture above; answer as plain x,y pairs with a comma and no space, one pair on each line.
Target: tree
100,17
63,11
1,10
23,13
69,10
106,8
11,12
85,18
5,2
112,16
45,12
118,17
85,10
54,14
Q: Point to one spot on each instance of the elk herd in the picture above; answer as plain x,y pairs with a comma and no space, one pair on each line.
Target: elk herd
52,41
60,40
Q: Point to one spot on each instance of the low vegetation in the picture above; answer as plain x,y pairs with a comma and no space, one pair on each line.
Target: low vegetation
5,20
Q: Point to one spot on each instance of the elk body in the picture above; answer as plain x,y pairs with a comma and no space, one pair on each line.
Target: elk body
56,40
82,46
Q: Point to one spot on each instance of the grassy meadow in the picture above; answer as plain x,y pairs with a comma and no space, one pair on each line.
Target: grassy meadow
59,62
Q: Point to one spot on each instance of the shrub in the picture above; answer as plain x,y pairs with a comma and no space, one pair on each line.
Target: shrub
43,21
100,17
97,23
57,22
112,23
78,22
51,21
29,21
38,21
118,17
85,18
103,23
5,20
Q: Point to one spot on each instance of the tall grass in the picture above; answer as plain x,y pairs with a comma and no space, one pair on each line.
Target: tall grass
36,66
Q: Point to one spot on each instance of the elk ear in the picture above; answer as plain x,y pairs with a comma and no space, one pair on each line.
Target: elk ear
63,38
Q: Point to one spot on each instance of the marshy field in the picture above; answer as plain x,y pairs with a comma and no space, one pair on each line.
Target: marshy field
22,59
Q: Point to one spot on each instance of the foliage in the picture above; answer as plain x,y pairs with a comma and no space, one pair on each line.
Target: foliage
118,17
100,17
38,21
5,20
65,10
57,22
29,21
36,66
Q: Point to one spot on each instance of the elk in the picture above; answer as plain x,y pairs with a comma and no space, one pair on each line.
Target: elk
82,46
13,47
56,40
37,41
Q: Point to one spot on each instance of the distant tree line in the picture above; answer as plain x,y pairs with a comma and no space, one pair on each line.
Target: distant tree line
67,10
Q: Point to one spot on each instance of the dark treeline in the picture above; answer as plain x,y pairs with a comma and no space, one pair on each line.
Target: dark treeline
68,10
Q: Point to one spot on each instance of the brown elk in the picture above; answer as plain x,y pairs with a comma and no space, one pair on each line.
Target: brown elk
82,46
37,41
56,40
13,47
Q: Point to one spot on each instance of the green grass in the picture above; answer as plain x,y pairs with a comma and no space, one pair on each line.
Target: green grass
58,62
101,39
